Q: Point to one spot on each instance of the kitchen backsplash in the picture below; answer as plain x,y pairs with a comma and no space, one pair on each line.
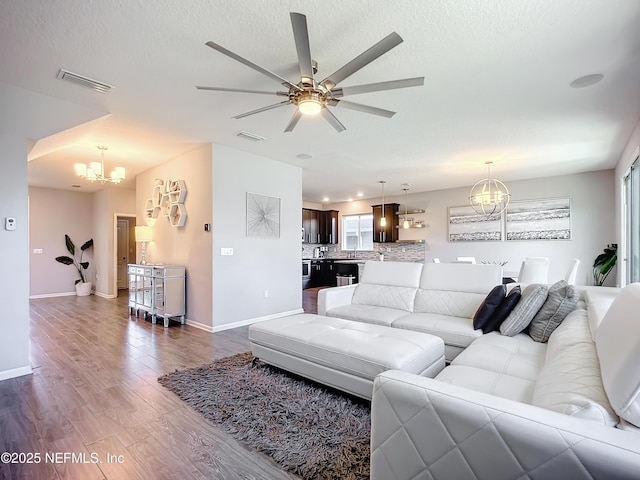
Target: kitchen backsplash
393,252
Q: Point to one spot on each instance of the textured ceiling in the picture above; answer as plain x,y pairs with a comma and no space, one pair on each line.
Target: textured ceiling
497,77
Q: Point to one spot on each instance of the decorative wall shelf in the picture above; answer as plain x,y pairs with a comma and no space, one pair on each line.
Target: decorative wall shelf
168,200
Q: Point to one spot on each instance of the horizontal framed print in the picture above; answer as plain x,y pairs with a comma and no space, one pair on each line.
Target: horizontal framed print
543,219
263,216
466,225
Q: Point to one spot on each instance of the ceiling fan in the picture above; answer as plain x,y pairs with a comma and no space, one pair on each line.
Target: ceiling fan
312,97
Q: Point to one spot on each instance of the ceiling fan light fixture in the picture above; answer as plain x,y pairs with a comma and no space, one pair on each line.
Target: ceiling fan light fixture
309,103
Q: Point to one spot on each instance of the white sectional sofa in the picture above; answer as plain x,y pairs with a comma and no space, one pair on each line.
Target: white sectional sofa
509,407
436,298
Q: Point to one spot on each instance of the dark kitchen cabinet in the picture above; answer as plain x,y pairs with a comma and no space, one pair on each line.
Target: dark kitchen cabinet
323,273
319,226
390,232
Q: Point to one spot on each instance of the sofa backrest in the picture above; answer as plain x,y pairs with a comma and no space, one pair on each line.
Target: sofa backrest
388,284
461,277
455,289
618,345
397,274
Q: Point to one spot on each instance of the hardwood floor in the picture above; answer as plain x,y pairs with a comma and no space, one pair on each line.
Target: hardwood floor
94,394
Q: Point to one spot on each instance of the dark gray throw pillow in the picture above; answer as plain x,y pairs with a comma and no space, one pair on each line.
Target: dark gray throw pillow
561,300
489,306
504,309
533,297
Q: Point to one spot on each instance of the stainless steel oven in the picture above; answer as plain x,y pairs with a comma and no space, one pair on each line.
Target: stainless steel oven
306,273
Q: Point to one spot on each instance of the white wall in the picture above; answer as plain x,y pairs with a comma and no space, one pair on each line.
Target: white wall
188,245
25,116
106,204
592,217
52,214
258,264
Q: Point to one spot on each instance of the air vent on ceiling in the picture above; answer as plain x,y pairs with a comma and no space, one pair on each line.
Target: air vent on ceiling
84,81
250,136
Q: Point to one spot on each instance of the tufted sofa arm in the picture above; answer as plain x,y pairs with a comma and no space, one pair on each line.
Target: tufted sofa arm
424,428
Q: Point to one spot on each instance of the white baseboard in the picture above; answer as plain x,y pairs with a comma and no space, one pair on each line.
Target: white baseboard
51,295
15,372
103,295
249,321
201,326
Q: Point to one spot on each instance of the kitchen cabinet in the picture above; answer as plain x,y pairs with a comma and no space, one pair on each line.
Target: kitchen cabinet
319,226
323,273
157,290
390,232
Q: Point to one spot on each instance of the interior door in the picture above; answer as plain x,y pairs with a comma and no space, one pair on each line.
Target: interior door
123,252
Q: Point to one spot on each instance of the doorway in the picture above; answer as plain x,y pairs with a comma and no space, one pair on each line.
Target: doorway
125,249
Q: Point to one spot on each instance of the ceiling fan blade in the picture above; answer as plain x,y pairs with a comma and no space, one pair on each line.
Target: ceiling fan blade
294,121
378,87
366,57
331,118
263,109
362,108
301,37
240,90
250,64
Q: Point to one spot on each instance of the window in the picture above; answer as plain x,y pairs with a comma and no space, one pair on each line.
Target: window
357,232
632,223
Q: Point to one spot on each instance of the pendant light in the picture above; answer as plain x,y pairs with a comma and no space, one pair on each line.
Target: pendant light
489,196
406,223
383,219
96,172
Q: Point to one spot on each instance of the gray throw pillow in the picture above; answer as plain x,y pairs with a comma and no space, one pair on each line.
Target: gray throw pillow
533,297
561,300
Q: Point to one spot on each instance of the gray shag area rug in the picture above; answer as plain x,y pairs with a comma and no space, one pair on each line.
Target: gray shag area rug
310,430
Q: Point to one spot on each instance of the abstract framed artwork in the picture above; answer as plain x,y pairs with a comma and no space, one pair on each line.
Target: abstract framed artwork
542,219
263,216
466,225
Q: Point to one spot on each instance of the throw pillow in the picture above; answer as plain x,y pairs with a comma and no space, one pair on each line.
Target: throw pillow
504,309
489,306
561,300
532,299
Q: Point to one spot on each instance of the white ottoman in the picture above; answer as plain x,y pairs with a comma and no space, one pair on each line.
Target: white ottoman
342,353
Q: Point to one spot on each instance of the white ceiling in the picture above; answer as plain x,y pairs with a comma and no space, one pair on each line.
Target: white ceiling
497,77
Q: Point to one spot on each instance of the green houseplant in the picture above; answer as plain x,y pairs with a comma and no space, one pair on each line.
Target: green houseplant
604,263
82,286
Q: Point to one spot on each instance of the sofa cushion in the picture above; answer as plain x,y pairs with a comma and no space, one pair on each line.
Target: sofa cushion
453,330
518,356
561,299
488,307
388,296
452,303
574,329
504,309
532,299
397,274
618,345
367,314
460,277
495,383
570,383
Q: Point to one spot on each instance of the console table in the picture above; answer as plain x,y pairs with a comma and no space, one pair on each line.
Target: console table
157,290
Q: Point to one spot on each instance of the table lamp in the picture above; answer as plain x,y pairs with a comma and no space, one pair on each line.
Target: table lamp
144,236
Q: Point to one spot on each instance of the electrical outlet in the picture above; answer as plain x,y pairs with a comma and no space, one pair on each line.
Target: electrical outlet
226,251
37,250
266,294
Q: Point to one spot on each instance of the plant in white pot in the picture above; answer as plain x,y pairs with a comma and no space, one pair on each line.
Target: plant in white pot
83,287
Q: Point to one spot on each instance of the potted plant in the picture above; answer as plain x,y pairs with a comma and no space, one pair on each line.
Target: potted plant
83,287
604,263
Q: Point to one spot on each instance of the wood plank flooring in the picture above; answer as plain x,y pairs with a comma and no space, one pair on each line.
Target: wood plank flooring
94,394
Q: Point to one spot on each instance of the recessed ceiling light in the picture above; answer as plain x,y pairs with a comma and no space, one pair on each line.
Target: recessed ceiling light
350,199
359,194
304,156
587,80
325,199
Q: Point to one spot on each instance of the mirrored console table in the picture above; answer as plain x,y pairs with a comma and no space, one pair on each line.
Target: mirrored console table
158,291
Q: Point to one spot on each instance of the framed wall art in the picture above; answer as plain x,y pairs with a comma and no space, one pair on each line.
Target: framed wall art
543,219
466,225
263,216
